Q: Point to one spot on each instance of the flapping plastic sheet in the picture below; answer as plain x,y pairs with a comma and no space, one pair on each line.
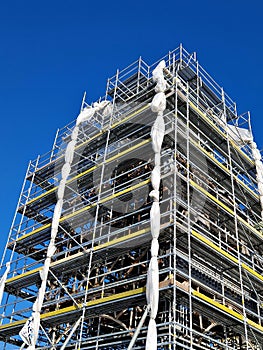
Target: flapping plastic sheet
54,231
2,281
159,102
86,114
26,332
157,134
260,187
154,247
256,154
75,133
51,250
61,189
155,219
240,135
259,177
154,194
57,213
258,163
65,171
151,339
156,177
158,77
69,154
152,286
157,158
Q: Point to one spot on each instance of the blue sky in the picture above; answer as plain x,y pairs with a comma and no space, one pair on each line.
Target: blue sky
52,51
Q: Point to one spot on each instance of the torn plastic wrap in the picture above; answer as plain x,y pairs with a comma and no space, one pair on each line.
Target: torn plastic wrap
65,171
37,306
61,189
151,340
240,135
70,152
158,103
259,172
2,281
155,219
154,247
158,77
87,113
155,177
154,194
26,333
152,286
157,134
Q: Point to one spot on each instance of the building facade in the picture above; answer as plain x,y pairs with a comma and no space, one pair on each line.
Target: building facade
82,261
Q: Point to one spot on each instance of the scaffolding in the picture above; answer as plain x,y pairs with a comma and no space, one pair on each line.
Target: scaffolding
211,226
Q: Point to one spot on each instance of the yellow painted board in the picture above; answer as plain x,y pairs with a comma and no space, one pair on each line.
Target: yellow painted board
218,305
144,142
65,310
220,132
214,246
117,194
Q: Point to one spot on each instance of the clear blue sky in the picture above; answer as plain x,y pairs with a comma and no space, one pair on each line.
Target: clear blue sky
51,51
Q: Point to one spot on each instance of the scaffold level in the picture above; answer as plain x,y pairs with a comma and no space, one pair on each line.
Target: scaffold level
86,277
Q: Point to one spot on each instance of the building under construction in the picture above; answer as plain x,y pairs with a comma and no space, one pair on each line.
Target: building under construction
78,254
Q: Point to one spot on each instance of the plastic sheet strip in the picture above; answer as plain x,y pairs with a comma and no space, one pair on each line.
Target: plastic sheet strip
158,106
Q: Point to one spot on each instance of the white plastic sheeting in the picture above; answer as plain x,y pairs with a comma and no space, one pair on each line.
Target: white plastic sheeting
26,333
158,77
151,340
152,286
240,135
158,106
158,103
87,113
156,177
259,168
154,194
2,281
155,219
29,332
157,134
35,320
